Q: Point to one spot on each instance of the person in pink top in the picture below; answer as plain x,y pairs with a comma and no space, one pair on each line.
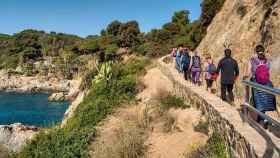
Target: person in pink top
209,73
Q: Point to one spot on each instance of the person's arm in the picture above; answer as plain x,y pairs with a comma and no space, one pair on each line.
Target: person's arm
191,60
219,66
247,72
236,70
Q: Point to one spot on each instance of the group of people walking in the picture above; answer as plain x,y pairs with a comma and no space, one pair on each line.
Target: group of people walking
189,66
258,71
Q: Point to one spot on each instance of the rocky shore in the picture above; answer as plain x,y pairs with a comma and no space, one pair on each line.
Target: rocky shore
62,89
19,83
14,136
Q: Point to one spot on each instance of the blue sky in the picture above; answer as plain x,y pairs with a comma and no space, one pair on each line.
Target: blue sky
88,17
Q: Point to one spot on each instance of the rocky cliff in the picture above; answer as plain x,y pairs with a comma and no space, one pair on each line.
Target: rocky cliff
244,23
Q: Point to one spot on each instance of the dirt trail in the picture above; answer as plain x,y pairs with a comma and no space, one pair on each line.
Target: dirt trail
158,142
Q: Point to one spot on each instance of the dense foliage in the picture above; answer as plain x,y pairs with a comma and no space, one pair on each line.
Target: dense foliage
25,48
72,140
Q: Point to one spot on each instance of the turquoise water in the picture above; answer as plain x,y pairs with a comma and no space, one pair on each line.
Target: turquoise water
30,109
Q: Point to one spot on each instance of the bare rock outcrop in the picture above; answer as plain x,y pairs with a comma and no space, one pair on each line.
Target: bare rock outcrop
14,136
59,97
245,23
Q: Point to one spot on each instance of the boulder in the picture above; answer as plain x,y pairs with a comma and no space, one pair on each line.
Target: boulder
57,97
14,136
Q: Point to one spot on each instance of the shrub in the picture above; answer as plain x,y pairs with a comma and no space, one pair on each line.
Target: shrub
202,127
214,148
268,3
172,101
142,49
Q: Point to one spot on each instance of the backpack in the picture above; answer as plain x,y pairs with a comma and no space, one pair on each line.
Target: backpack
212,69
262,72
196,62
186,59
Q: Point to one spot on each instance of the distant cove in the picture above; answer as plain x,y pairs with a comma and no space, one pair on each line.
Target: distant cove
30,109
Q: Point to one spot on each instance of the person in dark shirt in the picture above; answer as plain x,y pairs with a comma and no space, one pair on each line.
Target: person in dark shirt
229,72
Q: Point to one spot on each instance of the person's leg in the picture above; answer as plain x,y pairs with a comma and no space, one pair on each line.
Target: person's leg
230,92
185,73
177,64
193,77
198,78
211,83
189,75
207,84
223,92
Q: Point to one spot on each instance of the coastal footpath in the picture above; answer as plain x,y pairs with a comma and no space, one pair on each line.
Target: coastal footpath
243,139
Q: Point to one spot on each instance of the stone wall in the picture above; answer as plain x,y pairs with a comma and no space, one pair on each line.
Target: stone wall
243,140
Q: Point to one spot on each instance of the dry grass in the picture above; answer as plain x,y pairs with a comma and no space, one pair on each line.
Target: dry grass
160,94
129,141
129,144
168,123
3,152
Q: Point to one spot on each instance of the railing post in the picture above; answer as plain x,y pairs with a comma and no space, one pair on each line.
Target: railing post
247,108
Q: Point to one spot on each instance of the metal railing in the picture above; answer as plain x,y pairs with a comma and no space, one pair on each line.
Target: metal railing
246,107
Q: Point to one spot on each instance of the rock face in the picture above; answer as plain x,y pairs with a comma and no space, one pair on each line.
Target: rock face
244,23
14,136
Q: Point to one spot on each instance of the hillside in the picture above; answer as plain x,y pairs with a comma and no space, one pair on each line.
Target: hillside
245,23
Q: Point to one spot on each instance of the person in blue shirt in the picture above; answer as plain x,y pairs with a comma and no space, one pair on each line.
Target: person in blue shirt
178,58
185,63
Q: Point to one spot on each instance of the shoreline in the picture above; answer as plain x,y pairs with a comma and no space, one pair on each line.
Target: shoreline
15,135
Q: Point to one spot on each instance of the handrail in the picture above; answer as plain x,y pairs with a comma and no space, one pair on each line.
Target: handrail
273,91
264,116
261,87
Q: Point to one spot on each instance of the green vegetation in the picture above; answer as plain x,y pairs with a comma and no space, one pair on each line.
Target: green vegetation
172,101
214,148
268,3
202,127
72,140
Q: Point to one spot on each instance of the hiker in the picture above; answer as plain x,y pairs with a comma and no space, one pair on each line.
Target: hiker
259,72
185,63
210,73
178,58
229,73
196,68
